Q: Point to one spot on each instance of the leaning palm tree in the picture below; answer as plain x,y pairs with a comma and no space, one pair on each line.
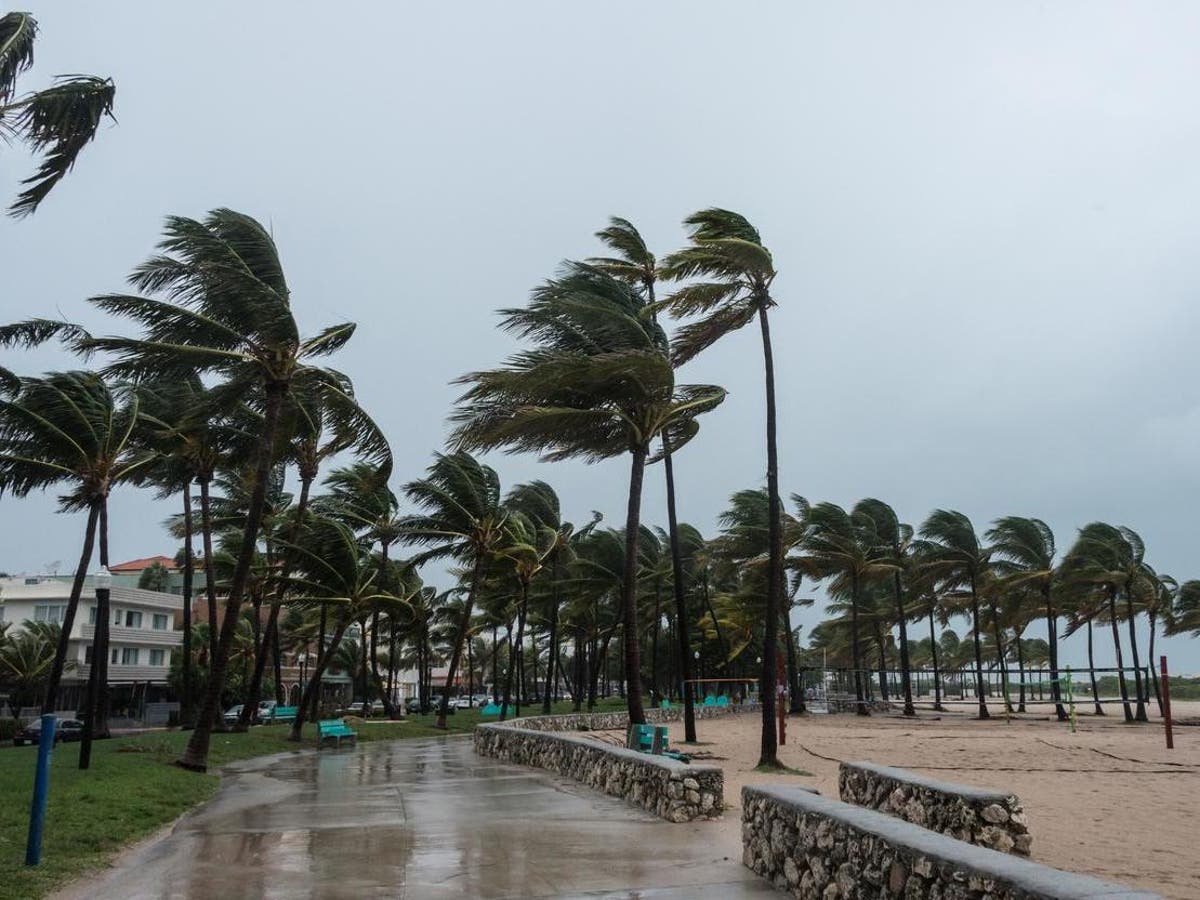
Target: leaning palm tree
951,553
594,385
55,123
633,263
524,549
734,273
220,306
1024,556
69,430
460,518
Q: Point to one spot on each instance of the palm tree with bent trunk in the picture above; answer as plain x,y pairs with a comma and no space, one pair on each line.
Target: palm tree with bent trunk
217,303
593,385
461,518
72,431
1024,556
55,123
952,554
729,274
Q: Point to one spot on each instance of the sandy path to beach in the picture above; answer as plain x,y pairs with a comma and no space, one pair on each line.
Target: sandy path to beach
1109,800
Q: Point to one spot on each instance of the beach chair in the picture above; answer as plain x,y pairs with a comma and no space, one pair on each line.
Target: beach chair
710,700
722,700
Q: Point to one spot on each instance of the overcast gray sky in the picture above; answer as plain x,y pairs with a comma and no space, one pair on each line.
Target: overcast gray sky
984,218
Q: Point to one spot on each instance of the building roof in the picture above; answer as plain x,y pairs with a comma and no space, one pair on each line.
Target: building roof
140,565
25,589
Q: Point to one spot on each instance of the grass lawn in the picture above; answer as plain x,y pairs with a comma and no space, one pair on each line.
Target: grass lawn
132,790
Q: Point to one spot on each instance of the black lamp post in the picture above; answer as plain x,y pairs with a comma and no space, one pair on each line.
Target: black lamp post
95,691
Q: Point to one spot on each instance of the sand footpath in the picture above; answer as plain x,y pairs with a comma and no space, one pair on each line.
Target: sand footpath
1109,800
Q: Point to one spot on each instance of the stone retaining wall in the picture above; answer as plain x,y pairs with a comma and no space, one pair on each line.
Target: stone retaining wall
611,721
676,791
991,819
817,848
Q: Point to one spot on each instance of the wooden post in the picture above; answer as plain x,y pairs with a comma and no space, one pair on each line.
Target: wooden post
1166,697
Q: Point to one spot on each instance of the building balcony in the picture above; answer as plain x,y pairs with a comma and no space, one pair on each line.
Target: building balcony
146,637
118,674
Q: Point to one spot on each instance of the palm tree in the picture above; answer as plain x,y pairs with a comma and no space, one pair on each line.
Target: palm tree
951,553
55,123
26,661
332,568
846,548
69,429
897,538
594,385
460,518
735,273
925,604
525,546
225,311
1024,556
635,264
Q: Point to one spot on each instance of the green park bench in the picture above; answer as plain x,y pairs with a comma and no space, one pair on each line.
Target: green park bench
653,739
334,729
284,713
492,709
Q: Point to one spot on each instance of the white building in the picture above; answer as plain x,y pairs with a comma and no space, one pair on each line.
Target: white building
142,635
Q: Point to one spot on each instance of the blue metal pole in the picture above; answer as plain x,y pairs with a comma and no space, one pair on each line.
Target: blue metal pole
41,791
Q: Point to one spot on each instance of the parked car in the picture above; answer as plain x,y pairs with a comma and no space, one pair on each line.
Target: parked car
435,703
462,702
66,730
356,708
481,699
234,712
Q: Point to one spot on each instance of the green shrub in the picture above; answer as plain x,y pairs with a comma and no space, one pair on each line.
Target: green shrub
8,727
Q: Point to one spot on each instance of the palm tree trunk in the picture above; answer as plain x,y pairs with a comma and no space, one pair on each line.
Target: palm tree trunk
320,655
768,752
210,575
1021,675
456,654
186,714
64,637
979,688
1092,671
795,689
1140,714
580,686
1153,668
633,661
1052,639
312,689
685,654
1001,653
881,644
553,661
1116,636
905,662
860,705
937,675
654,632
385,695
519,644
363,653
495,667
195,755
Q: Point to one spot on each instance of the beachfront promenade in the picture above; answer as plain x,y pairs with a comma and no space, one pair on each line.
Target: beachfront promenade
416,819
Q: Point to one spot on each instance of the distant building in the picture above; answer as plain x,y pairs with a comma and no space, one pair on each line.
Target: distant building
142,635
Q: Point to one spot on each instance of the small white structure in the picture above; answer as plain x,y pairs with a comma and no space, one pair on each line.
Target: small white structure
142,633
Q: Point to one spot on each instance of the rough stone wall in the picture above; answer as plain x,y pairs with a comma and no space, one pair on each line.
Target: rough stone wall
988,818
609,721
678,792
816,848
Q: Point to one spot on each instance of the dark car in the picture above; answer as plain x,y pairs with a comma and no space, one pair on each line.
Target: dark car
67,730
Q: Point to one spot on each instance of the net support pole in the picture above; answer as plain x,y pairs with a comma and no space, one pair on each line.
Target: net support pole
1166,697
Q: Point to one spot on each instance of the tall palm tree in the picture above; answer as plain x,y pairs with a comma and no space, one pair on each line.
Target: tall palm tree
1024,556
734,273
221,307
595,385
525,547
460,518
55,123
897,538
951,552
69,430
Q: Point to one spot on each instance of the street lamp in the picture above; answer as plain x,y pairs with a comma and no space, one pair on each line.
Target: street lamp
102,581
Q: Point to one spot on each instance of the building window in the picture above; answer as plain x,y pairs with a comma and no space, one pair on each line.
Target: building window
160,622
49,613
158,657
91,615
115,657
129,656
87,654
116,617
133,619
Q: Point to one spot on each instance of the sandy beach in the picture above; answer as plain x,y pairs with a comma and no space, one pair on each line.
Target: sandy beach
1109,800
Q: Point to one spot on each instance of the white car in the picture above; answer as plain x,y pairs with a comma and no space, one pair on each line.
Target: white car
461,702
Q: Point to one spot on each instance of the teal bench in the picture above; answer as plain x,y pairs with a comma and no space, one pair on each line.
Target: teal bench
284,713
653,739
492,709
335,730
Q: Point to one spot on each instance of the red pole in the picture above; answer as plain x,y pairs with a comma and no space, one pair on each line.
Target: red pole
1166,692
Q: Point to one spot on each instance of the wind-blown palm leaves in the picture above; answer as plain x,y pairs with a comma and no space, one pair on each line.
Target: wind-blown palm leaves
55,123
594,385
69,429
220,307
729,274
1024,556
461,518
953,556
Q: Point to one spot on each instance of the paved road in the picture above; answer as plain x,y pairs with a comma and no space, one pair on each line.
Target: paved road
417,819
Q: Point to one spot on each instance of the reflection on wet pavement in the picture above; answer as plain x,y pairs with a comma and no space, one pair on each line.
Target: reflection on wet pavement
421,818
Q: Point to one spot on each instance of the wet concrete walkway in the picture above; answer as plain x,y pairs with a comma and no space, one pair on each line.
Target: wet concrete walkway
417,819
